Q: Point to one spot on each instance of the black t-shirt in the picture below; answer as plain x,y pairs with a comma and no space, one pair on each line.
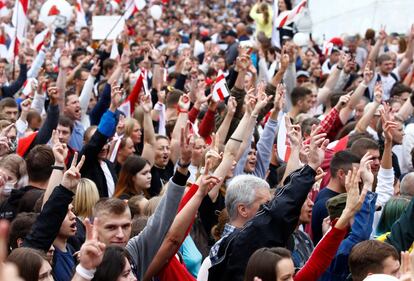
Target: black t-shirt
160,177
209,212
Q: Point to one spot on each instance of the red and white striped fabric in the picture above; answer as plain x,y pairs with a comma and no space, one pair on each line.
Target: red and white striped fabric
220,91
133,6
339,145
39,39
3,48
27,86
3,8
19,21
128,106
80,15
114,50
287,17
327,48
283,144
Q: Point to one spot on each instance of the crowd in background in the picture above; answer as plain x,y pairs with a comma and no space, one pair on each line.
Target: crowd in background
193,147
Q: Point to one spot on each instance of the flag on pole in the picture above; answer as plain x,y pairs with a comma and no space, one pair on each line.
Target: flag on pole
19,21
128,106
220,91
39,39
114,50
80,15
287,17
327,48
283,144
133,6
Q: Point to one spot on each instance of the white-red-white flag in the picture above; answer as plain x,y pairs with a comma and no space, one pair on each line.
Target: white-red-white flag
28,86
287,17
133,6
220,90
3,48
327,48
275,31
19,21
114,50
39,39
283,144
80,15
128,106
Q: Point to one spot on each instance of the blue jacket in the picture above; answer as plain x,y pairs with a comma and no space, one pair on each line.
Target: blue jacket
360,231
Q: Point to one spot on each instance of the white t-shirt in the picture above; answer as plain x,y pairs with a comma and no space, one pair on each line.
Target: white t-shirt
387,83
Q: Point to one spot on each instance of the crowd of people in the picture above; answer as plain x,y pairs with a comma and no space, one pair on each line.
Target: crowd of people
132,159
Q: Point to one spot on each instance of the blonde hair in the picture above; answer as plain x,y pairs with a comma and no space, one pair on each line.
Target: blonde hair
85,198
129,126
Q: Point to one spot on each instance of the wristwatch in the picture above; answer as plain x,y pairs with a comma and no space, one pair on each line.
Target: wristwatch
181,165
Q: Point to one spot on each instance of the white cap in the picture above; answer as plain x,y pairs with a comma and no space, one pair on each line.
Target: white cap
380,277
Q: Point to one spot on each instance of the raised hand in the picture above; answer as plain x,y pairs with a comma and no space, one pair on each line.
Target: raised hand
5,131
186,145
250,100
60,150
65,61
72,176
343,59
355,198
284,62
231,106
53,94
242,63
407,266
295,134
378,92
279,97
207,181
368,73
365,170
343,100
184,103
382,34
92,251
317,147
146,104
25,105
95,68
116,96
262,98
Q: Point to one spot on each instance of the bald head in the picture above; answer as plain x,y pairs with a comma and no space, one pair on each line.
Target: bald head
407,185
241,29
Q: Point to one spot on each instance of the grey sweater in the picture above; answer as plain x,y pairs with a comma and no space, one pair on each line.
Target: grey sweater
143,247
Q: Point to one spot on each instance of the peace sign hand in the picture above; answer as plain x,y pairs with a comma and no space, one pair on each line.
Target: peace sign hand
92,251
72,176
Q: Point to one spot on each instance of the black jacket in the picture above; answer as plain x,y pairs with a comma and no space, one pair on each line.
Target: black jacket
91,169
20,200
272,226
47,225
14,87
